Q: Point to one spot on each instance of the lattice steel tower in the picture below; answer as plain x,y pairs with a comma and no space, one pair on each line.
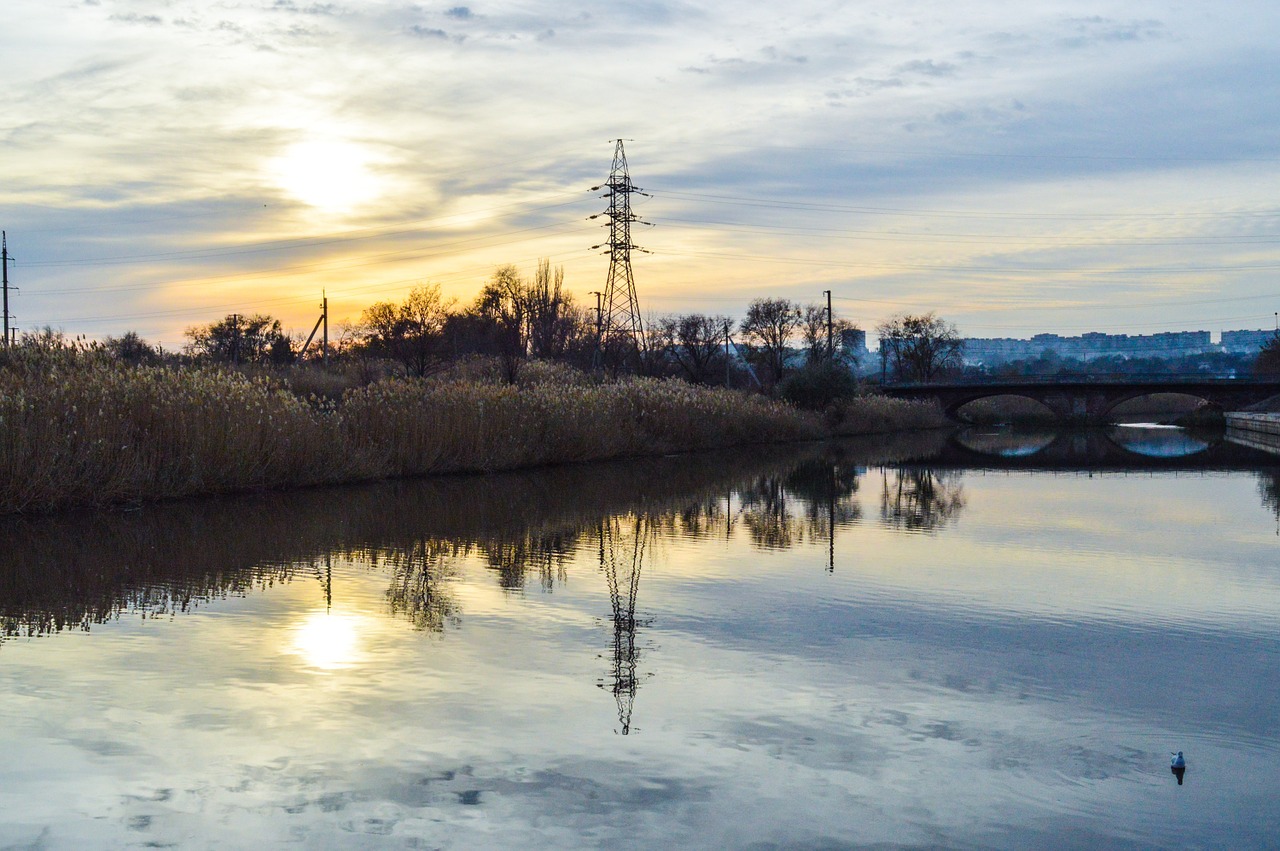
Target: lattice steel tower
620,312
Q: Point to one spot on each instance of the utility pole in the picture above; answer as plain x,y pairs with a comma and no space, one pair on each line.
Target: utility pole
728,341
4,253
235,339
324,345
831,351
831,522
620,313
599,313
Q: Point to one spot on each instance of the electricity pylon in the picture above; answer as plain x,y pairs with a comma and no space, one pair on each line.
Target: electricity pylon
620,326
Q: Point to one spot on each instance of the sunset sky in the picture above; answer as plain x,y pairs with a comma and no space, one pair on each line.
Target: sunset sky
1017,167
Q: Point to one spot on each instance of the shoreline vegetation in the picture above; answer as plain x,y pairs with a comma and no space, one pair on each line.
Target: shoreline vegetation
80,430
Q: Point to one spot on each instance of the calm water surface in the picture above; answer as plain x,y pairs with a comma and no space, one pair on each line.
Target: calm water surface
984,640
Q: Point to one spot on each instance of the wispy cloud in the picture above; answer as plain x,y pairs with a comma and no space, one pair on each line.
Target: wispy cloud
157,130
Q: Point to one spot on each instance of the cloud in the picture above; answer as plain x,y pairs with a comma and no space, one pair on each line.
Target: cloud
319,9
132,18
941,110
928,68
1099,30
427,32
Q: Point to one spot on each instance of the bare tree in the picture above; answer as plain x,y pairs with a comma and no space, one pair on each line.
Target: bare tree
822,337
1268,360
768,328
503,307
411,332
554,321
695,343
241,339
130,348
919,348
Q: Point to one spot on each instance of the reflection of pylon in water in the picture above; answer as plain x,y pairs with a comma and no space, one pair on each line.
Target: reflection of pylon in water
622,573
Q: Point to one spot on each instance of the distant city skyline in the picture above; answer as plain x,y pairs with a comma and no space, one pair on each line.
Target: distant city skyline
1169,344
1017,169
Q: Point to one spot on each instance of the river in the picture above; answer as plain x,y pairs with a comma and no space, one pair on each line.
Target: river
987,639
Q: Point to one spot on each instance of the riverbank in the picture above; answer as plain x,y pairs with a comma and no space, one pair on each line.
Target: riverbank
83,432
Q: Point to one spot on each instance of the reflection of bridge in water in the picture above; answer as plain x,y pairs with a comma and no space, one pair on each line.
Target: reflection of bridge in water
1117,449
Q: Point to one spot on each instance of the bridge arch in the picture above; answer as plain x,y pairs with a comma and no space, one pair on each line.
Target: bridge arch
1018,405
1124,399
951,405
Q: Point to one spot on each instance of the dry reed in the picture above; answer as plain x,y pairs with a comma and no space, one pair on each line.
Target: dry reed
98,434
80,430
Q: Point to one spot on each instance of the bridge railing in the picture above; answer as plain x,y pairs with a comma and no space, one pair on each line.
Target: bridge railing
1090,378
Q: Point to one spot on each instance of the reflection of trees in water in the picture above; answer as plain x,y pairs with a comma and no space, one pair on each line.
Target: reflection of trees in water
73,571
826,490
420,580
544,551
806,503
422,574
917,499
1269,490
767,515
700,518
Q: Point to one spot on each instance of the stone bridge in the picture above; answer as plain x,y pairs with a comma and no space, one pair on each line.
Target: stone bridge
1089,398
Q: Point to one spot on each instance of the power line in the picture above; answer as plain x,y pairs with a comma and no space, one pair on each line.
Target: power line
826,207
981,238
901,152
1025,270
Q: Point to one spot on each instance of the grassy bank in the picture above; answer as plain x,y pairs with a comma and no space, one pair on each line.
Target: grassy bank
78,430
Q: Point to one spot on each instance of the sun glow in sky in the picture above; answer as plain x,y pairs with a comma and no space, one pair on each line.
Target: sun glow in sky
1042,167
333,177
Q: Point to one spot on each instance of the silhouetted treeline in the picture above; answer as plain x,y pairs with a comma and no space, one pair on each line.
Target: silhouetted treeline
781,346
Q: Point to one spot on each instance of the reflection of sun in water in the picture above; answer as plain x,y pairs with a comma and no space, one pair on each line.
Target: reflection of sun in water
328,641
328,175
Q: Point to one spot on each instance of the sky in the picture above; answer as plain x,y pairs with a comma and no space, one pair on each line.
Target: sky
1016,167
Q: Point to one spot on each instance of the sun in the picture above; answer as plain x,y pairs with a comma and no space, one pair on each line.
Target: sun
329,175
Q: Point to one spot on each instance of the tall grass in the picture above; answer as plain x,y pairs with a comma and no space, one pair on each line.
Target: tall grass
430,427
880,414
97,434
77,429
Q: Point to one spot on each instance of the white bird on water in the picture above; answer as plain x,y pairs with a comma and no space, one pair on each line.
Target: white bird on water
1178,761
